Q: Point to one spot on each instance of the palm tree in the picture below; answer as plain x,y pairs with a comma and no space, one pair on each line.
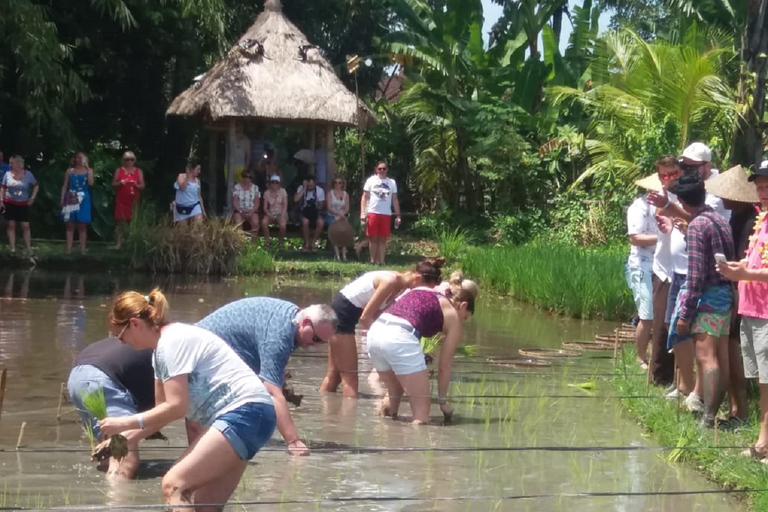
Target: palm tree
638,85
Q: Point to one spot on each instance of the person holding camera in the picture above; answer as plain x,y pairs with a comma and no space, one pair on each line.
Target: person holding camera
312,204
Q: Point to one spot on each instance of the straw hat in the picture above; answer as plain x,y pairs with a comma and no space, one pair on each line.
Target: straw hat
341,233
651,182
733,185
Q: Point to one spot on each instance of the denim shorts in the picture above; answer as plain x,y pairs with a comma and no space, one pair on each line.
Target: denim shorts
247,428
85,379
674,291
641,286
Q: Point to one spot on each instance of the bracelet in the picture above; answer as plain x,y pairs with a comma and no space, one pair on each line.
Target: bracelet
291,442
140,419
441,400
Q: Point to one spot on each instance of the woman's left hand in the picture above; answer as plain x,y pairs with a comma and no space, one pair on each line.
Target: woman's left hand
112,426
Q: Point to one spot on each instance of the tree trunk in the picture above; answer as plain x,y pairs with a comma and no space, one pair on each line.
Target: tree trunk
747,142
557,24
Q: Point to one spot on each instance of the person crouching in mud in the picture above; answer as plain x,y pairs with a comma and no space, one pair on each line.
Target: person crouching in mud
394,346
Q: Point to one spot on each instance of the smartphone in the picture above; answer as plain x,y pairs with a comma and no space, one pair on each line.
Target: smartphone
720,257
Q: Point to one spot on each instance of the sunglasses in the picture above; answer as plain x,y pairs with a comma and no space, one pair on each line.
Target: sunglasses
315,337
129,159
120,334
670,176
690,167
338,182
246,176
381,168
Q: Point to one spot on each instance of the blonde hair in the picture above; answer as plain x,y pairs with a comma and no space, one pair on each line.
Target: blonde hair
16,158
151,308
457,282
129,154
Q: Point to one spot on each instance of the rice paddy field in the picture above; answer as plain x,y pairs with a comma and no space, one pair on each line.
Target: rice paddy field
551,436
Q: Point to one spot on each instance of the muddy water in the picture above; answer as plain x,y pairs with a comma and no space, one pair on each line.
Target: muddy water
46,319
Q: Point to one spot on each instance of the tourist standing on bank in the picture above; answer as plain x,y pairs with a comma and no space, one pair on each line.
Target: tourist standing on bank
18,189
76,200
200,378
125,376
379,198
275,204
752,276
264,332
189,198
128,181
641,229
662,364
337,210
311,200
704,306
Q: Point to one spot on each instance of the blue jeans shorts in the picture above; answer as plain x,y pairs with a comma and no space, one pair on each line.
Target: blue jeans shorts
641,286
85,379
675,284
248,428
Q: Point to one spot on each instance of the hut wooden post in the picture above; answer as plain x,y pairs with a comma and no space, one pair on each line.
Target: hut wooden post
313,147
230,164
213,138
330,159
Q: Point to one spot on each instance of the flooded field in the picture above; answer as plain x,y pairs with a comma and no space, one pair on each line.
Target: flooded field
532,452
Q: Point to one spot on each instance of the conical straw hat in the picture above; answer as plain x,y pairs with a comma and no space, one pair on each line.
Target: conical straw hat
341,233
733,185
651,182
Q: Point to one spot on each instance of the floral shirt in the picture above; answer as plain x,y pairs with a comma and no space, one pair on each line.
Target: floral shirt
245,197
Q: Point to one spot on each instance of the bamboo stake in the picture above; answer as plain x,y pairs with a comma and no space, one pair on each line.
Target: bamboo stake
624,361
61,399
3,376
716,430
677,388
648,380
615,346
21,434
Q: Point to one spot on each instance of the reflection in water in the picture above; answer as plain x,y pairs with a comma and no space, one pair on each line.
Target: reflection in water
40,336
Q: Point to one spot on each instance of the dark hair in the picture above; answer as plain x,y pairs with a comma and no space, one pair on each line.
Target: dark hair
381,162
667,161
192,163
464,295
310,177
690,189
429,269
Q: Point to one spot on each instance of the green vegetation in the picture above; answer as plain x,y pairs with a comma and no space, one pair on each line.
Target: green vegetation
726,467
579,282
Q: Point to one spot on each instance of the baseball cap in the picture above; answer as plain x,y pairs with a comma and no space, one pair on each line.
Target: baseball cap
275,177
698,152
760,171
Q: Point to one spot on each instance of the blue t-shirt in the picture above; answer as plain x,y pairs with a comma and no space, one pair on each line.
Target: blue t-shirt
260,330
18,191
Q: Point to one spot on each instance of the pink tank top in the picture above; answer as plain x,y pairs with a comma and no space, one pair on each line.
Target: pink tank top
421,308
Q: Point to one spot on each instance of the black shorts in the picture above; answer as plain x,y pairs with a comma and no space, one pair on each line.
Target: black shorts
16,212
348,314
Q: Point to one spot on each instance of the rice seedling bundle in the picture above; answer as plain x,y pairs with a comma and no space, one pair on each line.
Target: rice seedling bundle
96,404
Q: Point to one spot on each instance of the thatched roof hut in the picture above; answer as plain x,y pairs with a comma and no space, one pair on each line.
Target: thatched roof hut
273,73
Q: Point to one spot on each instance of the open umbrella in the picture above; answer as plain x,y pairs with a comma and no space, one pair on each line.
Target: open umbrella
305,155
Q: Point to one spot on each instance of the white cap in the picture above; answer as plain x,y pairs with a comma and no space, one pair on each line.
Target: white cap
275,177
698,152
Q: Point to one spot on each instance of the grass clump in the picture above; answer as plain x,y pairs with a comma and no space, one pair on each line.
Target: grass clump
96,404
727,467
159,245
575,281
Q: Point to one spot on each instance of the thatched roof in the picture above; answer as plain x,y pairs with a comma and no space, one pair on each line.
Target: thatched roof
265,77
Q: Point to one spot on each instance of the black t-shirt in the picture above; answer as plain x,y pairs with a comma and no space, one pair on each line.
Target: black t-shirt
742,225
130,368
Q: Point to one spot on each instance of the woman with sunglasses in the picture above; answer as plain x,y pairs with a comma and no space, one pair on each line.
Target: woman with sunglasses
338,209
128,182
200,378
245,202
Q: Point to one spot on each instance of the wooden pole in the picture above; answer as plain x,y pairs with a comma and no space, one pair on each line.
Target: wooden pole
312,147
3,376
213,137
615,346
230,164
360,133
648,373
21,434
61,399
677,384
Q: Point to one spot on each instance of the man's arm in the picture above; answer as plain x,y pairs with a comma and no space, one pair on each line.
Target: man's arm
285,422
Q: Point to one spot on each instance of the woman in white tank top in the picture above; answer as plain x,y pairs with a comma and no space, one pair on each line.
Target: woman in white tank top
362,301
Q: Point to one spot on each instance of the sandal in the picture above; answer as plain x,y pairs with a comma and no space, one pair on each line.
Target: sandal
752,453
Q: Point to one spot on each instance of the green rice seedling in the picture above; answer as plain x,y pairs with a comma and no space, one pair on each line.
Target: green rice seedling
452,243
96,404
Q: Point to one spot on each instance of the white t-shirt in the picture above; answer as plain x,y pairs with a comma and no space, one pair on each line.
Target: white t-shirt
679,251
641,221
663,264
318,193
360,291
219,381
381,191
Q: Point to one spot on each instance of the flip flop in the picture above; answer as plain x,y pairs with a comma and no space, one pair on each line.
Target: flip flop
754,454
